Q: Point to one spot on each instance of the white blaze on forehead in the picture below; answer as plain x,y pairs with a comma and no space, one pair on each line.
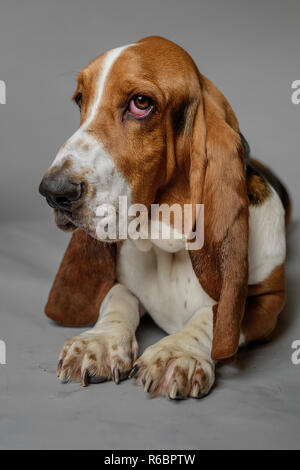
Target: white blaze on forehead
109,60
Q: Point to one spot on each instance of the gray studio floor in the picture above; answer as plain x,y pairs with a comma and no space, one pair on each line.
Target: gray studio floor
256,403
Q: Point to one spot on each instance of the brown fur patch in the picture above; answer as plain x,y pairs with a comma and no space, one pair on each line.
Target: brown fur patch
257,188
275,182
264,303
158,362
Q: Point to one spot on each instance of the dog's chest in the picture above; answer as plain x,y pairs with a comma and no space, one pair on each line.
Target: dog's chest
165,284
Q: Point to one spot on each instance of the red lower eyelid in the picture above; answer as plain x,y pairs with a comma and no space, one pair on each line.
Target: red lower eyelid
136,111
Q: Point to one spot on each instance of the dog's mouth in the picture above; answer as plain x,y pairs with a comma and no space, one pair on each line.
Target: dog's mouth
64,221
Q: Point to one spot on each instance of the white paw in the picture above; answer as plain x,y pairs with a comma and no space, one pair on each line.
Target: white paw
167,369
95,357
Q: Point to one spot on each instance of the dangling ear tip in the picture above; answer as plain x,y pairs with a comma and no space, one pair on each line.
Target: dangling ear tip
220,353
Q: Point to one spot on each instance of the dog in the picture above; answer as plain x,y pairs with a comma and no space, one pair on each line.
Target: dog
155,130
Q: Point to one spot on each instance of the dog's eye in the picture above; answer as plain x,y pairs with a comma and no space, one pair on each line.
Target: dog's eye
140,106
78,99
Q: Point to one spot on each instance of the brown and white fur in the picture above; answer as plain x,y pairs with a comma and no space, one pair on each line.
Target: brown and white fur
188,149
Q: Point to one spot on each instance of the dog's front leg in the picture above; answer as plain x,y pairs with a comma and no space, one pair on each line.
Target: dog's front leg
108,351
180,365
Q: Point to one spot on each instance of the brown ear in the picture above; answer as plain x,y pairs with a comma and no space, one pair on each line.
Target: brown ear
218,171
87,273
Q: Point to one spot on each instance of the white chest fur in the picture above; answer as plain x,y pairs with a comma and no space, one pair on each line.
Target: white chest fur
165,284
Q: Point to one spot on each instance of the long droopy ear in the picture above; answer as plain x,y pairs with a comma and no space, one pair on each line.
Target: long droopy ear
87,273
218,180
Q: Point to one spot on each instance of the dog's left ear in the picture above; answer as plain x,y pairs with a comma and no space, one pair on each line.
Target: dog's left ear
218,180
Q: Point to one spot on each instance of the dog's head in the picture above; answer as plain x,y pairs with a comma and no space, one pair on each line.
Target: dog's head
148,123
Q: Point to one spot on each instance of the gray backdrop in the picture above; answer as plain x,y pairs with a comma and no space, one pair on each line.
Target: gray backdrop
250,50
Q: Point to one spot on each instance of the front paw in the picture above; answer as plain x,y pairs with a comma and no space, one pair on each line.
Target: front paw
166,369
96,357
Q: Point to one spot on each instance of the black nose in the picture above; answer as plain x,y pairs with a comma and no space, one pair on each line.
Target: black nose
61,192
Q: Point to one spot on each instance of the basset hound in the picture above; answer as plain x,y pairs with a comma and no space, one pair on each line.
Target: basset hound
155,130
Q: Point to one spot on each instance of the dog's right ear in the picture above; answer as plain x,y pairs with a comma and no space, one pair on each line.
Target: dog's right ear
87,273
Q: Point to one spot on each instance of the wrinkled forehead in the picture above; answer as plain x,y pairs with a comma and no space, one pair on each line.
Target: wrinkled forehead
154,65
